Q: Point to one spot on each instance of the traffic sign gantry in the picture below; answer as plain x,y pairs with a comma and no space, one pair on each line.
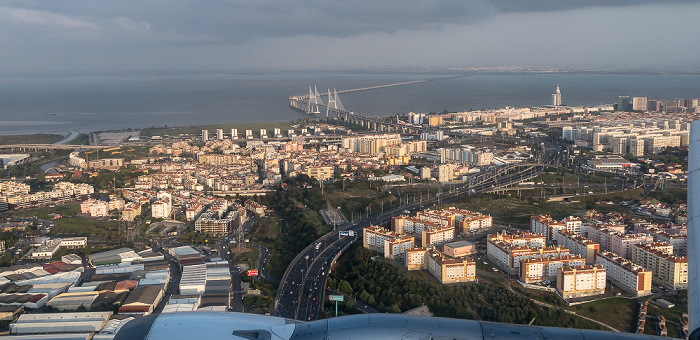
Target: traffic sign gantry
338,298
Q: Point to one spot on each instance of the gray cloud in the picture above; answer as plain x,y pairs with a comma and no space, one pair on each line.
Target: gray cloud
243,34
244,20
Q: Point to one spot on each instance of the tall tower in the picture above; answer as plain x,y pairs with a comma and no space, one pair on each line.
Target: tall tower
556,97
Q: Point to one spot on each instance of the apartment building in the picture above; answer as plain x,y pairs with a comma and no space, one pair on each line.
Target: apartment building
13,189
131,211
94,208
622,244
602,234
320,172
161,208
63,192
577,245
373,238
193,210
395,248
473,224
106,163
437,235
678,242
450,270
415,258
581,281
625,274
437,216
538,269
519,238
668,270
411,225
546,226
508,256
370,144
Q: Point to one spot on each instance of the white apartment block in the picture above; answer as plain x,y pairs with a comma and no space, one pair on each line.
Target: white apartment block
538,269
450,270
415,259
575,282
521,238
640,136
602,234
411,225
161,208
193,210
577,244
437,216
74,242
622,244
437,235
625,274
396,247
373,238
508,256
668,270
94,208
546,226
370,144
679,243
62,192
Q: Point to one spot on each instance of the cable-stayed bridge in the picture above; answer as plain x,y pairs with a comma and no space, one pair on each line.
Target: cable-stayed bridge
313,102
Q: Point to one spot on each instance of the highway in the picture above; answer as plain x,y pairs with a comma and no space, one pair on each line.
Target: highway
301,292
302,289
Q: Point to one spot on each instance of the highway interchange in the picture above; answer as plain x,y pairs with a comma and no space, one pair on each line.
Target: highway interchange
302,289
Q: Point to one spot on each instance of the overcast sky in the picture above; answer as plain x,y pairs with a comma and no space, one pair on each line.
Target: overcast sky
86,36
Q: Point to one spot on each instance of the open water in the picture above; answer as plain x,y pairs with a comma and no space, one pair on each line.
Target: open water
85,104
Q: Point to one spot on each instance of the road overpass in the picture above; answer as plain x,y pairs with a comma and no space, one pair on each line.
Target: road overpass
301,292
46,147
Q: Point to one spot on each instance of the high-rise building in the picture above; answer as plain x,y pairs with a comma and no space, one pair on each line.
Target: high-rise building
205,135
556,97
654,105
623,103
639,103
219,134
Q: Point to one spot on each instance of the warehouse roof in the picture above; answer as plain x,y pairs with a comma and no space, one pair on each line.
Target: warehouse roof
143,295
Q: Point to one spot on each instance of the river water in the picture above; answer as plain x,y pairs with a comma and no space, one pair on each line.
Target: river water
85,104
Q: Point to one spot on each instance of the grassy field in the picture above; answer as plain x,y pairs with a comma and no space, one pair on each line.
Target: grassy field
40,138
246,255
79,226
517,212
617,312
70,224
353,200
65,210
284,126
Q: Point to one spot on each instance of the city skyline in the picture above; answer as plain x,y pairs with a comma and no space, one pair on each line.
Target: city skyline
61,37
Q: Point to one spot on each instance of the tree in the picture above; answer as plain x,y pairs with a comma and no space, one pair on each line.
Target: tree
345,287
349,304
395,309
371,300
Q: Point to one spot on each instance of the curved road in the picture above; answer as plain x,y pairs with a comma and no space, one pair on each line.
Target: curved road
302,288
